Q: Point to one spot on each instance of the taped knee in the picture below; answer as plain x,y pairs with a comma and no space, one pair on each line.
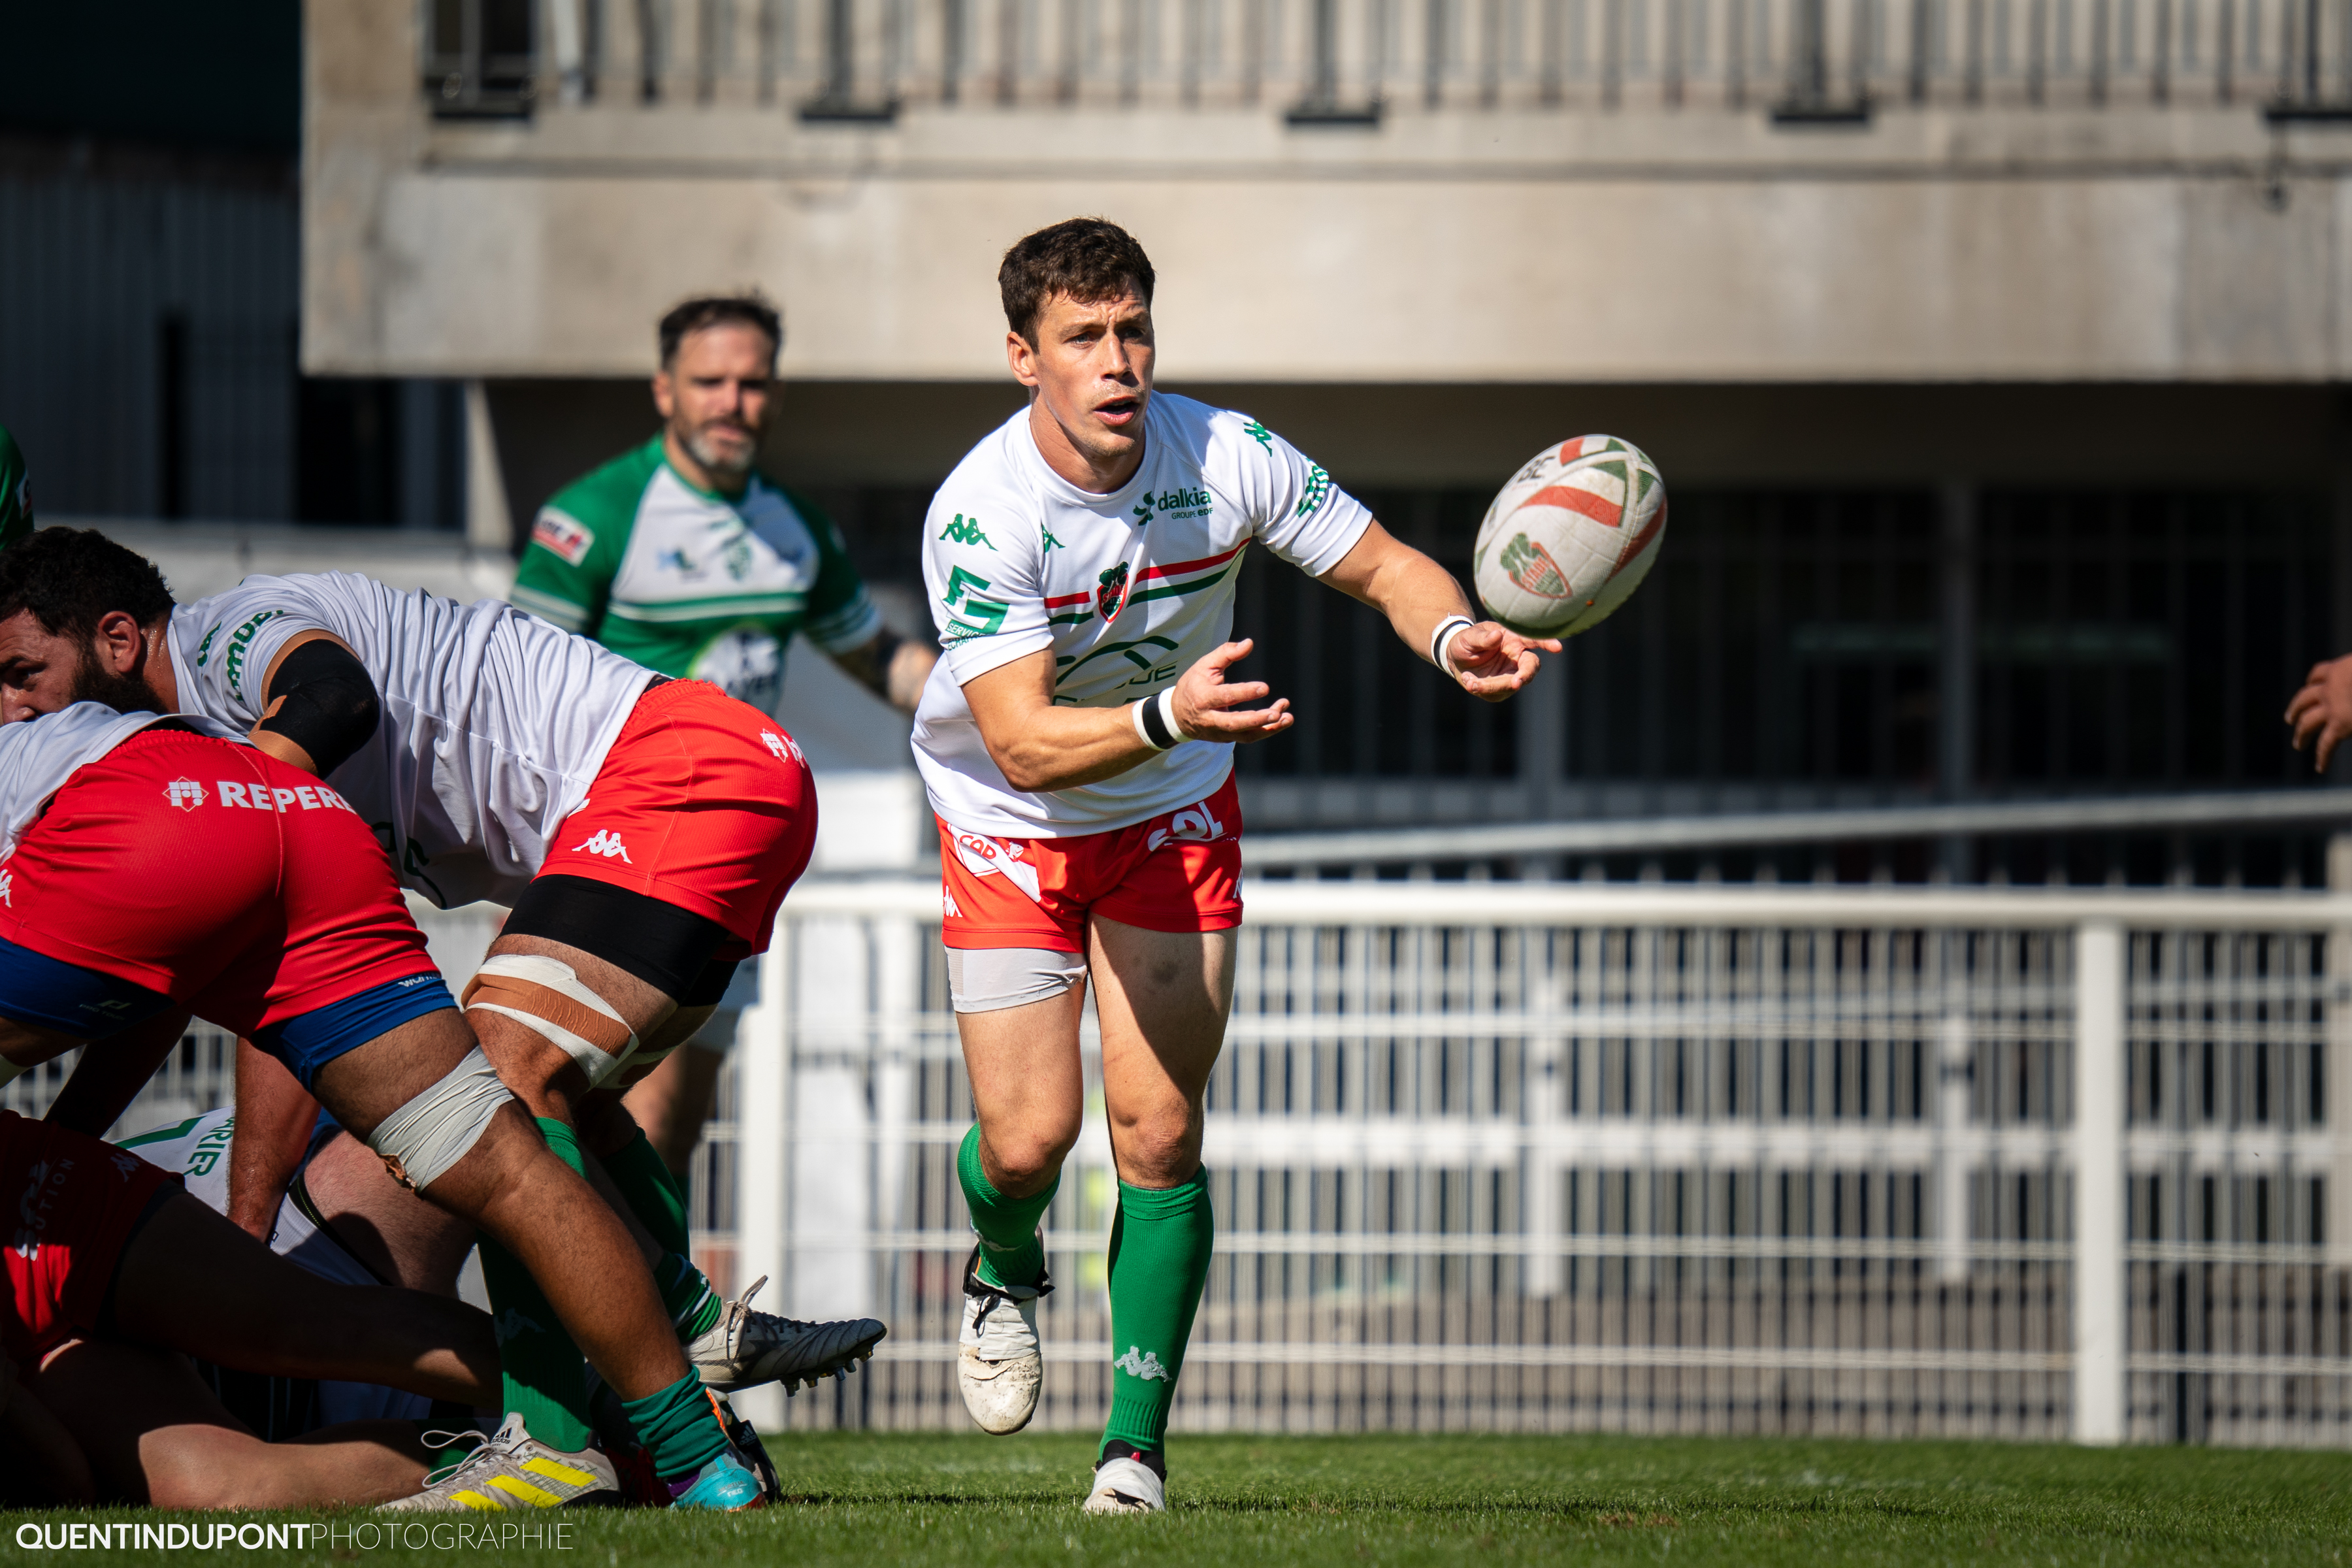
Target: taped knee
547,997
986,979
422,1141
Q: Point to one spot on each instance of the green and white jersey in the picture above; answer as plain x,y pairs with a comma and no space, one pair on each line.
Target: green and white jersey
15,492
690,583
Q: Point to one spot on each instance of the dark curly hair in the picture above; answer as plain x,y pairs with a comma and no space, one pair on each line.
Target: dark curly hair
1085,259
72,578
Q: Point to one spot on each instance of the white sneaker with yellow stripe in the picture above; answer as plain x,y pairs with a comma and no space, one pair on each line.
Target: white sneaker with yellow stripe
514,1470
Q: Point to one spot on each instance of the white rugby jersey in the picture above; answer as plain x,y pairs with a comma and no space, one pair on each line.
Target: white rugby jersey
494,722
38,755
1128,590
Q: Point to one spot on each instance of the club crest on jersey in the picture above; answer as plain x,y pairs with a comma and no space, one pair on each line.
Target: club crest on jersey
1110,594
569,540
185,793
604,842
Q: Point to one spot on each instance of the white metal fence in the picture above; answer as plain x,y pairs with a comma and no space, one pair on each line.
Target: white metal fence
1654,1158
1885,1160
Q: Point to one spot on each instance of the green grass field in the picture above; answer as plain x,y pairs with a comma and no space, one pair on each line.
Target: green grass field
951,1501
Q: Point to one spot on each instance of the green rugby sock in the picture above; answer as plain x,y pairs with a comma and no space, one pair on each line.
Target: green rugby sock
1010,1252
1160,1247
681,1425
654,1196
544,1376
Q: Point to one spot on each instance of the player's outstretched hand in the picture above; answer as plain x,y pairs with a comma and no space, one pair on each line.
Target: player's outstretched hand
1494,660
2323,708
1211,708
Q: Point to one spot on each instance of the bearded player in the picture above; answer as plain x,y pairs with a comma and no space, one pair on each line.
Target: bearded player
151,865
645,830
1076,742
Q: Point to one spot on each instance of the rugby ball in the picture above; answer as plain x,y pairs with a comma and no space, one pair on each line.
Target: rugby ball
1570,536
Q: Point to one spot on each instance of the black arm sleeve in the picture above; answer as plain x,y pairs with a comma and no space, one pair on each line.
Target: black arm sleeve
331,707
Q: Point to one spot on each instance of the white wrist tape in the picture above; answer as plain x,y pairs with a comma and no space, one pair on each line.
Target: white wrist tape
1135,712
1444,635
424,1139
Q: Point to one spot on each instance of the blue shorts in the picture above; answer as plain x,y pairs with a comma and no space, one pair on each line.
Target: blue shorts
52,993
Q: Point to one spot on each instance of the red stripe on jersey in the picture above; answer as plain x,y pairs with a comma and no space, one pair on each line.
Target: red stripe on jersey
1173,567
1600,509
1059,600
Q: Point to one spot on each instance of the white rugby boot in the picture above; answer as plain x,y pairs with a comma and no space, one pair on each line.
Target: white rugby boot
1126,1483
744,1349
998,1367
512,1472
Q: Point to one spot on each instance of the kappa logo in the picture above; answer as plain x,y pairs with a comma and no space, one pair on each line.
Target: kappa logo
513,1323
949,906
33,1208
1193,824
126,1165
7,888
1144,1364
782,746
185,793
604,842
966,530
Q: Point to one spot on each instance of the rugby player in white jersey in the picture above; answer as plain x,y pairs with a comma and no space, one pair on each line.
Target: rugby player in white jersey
161,865
1076,742
644,829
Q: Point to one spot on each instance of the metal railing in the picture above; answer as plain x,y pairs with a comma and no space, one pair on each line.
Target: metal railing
2024,1164
1354,61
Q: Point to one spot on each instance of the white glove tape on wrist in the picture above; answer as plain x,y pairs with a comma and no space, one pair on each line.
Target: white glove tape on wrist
1444,635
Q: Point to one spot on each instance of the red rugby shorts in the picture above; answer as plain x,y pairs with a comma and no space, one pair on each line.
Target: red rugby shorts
71,1203
231,882
1180,871
705,803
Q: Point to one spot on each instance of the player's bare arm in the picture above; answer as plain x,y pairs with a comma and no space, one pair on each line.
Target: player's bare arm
1418,595
2323,708
1039,746
275,1116
113,1072
893,668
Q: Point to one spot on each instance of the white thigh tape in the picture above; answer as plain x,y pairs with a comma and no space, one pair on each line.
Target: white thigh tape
989,979
423,1139
529,969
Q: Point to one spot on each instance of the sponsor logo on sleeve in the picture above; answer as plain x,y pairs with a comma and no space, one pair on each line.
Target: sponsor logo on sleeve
566,537
239,640
975,617
1318,491
1259,433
